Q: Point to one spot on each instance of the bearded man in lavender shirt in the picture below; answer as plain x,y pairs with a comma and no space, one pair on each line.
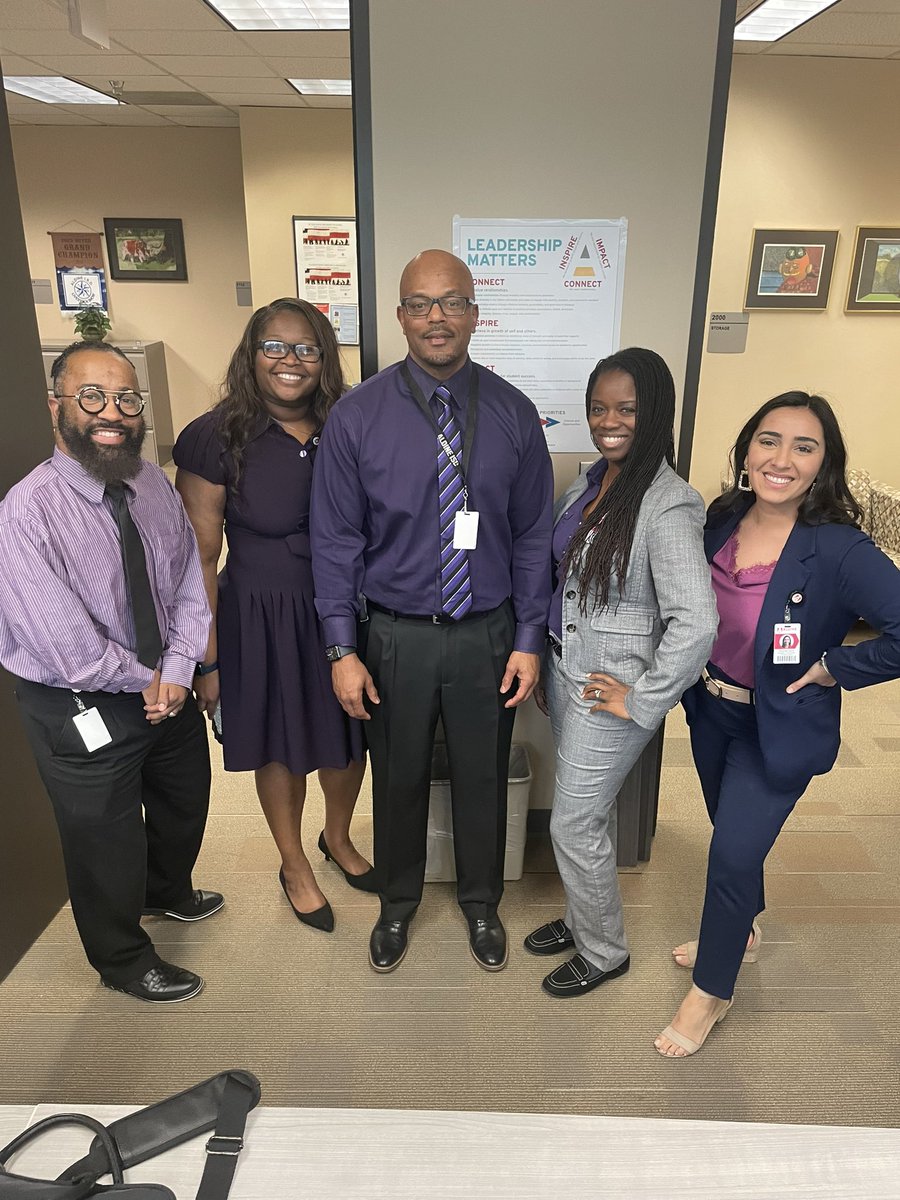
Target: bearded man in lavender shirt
103,617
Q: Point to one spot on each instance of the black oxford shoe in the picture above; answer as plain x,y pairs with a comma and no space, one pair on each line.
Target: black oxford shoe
487,941
552,938
163,984
195,908
577,977
388,944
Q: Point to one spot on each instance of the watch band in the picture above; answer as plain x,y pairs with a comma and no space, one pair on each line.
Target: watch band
334,653
206,668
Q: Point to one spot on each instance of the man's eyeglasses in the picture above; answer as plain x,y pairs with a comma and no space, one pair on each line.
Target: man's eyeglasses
273,349
421,306
93,399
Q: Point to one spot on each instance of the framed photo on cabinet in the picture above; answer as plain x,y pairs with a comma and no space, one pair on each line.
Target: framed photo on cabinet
875,274
790,268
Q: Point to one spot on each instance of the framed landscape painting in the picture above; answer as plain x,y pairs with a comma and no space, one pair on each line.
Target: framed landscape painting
790,268
875,274
145,249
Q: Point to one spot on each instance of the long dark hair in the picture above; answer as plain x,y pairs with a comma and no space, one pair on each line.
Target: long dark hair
602,543
240,407
829,500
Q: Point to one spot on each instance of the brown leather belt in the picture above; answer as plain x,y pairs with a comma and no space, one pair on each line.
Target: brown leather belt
726,691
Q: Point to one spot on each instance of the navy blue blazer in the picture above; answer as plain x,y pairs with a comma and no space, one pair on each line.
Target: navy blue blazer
841,575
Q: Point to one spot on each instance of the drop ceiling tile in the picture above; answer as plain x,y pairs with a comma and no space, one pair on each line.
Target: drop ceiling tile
750,47
176,112
329,101
868,6
305,43
25,14
256,99
137,83
225,83
32,42
184,65
182,41
112,66
130,114
311,68
23,105
820,50
838,28
199,122
163,14
57,117
13,65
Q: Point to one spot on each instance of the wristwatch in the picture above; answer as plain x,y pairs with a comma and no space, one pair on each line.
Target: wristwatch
333,653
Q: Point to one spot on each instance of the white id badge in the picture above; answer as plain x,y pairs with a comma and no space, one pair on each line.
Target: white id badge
465,530
92,729
786,643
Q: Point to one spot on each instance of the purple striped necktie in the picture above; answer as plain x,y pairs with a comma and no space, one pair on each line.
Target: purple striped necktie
456,588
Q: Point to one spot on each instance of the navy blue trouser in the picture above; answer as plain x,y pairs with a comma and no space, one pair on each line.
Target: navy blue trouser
747,814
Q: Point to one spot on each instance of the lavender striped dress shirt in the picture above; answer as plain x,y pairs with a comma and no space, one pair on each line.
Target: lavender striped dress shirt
65,617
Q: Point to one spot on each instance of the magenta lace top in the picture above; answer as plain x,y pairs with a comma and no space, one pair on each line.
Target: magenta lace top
739,597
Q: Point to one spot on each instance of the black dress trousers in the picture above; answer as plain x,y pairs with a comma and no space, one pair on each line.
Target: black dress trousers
424,671
131,815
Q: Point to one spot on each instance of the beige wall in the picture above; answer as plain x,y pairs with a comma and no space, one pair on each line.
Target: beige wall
296,163
72,178
810,143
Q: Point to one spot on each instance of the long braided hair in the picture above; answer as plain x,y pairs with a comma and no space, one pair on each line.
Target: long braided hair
602,543
240,407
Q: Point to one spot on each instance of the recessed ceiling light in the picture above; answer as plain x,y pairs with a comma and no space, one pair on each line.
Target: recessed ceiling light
773,19
284,14
322,87
54,89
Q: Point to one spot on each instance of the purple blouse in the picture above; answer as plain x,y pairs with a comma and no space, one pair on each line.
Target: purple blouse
562,533
739,598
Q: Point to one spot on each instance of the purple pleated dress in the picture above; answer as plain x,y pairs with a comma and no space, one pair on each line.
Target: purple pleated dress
277,700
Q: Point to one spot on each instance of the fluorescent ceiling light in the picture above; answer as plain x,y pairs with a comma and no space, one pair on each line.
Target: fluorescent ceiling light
284,14
773,19
54,89
322,87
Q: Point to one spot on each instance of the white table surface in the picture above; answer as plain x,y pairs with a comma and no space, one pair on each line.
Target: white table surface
378,1154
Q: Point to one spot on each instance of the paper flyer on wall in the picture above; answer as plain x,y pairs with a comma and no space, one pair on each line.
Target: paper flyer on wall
327,276
550,303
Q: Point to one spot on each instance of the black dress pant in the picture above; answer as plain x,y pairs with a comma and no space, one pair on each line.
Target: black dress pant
424,671
131,815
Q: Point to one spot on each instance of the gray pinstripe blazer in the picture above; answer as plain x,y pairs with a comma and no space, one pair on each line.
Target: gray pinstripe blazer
656,635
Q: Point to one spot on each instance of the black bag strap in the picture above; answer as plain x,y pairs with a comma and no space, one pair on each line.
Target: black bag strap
79,1183
221,1102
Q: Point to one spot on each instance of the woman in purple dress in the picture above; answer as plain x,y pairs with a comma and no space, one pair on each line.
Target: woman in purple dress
245,469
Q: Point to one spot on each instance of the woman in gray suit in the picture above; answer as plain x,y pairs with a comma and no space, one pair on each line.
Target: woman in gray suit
632,622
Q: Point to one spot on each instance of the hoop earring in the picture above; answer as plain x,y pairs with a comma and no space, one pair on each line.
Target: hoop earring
743,483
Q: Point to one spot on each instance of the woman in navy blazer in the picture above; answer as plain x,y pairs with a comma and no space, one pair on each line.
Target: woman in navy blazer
792,573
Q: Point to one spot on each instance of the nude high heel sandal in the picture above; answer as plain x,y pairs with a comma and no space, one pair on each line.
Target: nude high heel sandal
687,1045
751,954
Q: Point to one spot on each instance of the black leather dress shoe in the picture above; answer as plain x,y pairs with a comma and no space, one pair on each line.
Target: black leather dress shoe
388,945
195,908
552,938
163,984
487,941
577,977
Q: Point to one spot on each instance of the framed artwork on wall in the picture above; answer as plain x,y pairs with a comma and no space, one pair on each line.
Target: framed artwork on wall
145,249
790,268
875,274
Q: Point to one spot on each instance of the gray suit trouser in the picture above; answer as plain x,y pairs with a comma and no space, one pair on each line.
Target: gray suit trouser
594,753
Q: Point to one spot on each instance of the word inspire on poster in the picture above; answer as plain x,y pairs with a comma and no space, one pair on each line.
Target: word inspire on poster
550,301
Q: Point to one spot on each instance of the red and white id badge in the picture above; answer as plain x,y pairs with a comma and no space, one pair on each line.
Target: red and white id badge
786,643
465,530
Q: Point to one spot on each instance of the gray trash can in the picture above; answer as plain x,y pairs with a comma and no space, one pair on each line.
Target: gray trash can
440,866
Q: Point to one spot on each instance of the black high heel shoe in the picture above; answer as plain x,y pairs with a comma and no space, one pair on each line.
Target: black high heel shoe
367,882
320,918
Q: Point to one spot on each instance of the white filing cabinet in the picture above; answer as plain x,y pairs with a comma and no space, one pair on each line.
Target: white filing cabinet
149,361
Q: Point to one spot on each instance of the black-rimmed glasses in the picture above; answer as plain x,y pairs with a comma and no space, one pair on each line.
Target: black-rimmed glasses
421,306
274,349
92,399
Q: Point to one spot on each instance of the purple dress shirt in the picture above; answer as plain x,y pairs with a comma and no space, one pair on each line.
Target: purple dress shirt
739,598
374,511
65,616
562,534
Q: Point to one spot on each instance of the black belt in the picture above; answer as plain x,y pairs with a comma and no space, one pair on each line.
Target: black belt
433,618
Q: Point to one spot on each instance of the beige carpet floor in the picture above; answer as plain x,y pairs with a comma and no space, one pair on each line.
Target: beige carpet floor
812,1037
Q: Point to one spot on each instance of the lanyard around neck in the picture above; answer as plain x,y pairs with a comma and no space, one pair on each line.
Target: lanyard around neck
471,417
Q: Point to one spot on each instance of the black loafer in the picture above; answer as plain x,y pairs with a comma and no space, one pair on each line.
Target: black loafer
163,984
577,977
388,944
552,938
195,908
487,941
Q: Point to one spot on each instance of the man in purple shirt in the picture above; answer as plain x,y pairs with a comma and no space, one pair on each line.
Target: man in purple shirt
430,523
103,617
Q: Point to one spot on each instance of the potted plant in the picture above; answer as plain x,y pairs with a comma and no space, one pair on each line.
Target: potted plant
93,324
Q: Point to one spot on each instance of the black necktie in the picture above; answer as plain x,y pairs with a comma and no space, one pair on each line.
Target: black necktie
146,627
